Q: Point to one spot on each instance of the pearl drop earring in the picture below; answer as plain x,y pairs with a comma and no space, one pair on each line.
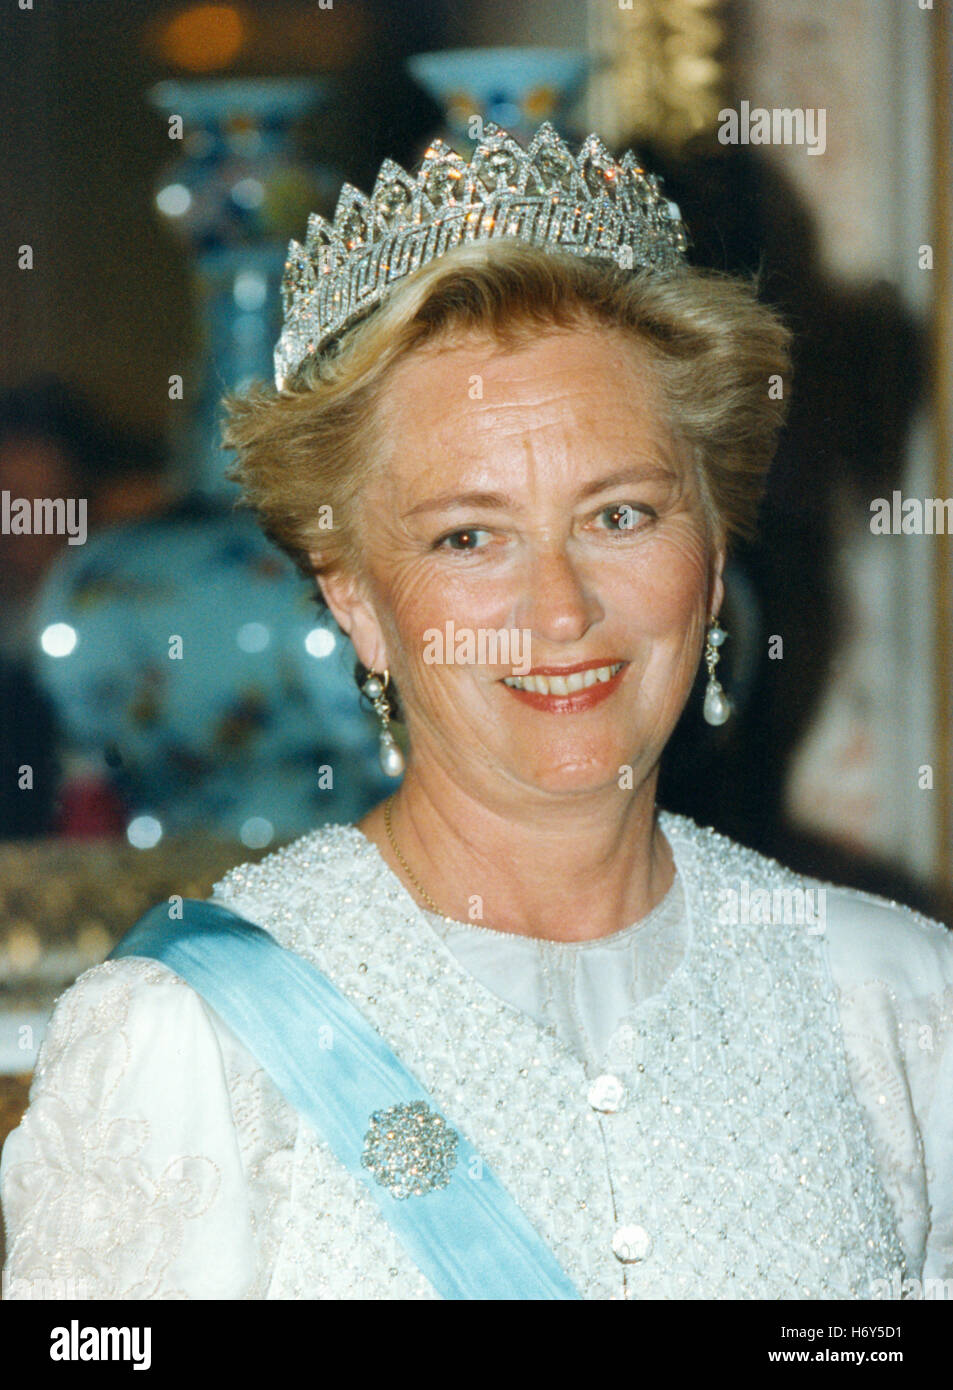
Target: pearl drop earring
392,759
717,707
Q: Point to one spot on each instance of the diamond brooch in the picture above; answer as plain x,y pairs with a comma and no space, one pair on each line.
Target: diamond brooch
410,1149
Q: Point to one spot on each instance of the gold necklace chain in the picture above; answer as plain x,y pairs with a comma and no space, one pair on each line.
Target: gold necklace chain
406,867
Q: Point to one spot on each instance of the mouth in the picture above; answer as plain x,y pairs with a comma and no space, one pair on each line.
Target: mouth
568,684
571,692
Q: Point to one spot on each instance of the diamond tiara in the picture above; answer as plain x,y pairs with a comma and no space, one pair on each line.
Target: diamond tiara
589,204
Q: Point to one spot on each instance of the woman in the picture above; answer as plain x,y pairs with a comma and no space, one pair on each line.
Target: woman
647,1062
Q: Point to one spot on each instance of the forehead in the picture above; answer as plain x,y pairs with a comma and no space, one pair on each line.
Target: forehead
591,392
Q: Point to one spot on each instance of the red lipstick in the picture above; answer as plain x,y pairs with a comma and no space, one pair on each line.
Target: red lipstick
568,670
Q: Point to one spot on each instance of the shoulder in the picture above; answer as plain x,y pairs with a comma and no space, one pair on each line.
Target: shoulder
120,1012
134,1003
105,995
128,1043
865,937
873,938
313,879
130,1128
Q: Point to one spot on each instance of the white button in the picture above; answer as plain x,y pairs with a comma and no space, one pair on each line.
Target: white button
606,1093
631,1243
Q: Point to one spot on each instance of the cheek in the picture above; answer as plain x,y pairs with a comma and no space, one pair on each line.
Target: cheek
411,599
420,595
666,586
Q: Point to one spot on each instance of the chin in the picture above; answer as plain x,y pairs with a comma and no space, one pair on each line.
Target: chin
577,777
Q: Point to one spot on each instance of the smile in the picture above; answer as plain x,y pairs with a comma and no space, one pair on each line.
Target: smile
565,685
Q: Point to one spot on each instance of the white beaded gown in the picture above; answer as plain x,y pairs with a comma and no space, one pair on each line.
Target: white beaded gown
719,1101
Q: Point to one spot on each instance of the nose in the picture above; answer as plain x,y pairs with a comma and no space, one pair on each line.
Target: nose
557,602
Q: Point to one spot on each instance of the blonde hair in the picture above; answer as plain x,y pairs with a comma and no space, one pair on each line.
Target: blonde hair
714,349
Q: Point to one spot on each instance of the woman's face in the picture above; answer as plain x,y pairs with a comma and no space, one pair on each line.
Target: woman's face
538,493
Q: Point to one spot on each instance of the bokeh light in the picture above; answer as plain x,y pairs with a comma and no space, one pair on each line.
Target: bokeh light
204,38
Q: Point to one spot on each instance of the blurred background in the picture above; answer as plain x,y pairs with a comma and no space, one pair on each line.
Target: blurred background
170,701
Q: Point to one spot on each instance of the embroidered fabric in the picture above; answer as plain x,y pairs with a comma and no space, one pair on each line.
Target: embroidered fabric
785,1128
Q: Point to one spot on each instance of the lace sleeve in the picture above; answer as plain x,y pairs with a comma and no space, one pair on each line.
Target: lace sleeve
893,971
124,1179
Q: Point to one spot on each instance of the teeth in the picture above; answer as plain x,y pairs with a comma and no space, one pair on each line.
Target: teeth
563,685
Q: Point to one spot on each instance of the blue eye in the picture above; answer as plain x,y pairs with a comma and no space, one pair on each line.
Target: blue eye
466,533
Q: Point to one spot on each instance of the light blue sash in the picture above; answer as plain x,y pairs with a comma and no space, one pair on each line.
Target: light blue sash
468,1237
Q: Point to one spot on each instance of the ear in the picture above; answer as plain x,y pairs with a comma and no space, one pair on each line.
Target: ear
355,615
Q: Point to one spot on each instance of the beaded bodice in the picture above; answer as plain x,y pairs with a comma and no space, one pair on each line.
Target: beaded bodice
721,1152
739,1149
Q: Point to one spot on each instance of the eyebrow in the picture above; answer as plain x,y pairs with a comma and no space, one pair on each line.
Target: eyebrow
499,500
